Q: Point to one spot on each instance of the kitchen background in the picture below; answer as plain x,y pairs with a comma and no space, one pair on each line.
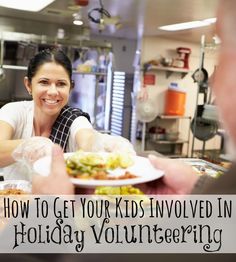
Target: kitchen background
126,39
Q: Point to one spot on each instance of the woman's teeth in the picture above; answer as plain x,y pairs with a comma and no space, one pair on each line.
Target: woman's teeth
51,102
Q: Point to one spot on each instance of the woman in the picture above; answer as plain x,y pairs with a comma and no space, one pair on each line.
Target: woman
49,82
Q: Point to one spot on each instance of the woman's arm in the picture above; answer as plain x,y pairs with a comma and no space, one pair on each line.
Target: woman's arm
6,144
94,141
85,138
88,139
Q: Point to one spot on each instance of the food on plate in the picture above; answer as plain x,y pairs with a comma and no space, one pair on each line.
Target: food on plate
15,187
115,160
226,165
123,190
12,191
129,192
85,165
207,170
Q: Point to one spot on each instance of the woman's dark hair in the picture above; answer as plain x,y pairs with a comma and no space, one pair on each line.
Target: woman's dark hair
49,55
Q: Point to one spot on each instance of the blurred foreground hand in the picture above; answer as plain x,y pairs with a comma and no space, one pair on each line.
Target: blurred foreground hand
58,182
179,178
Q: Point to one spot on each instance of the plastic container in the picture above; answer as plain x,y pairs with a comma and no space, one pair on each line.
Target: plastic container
175,100
172,136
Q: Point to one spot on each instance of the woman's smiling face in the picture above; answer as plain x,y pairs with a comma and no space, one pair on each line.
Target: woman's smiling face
50,88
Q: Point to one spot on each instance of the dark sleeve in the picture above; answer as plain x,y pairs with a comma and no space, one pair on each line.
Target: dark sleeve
225,184
203,182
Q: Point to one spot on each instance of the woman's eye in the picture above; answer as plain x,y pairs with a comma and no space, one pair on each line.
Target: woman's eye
61,84
43,82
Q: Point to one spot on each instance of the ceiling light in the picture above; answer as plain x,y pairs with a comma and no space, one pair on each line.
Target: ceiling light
210,20
77,18
26,5
188,25
78,22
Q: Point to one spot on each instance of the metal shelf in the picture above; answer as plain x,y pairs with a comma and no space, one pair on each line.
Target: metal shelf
17,67
174,145
173,117
74,41
176,156
179,141
14,67
90,73
170,70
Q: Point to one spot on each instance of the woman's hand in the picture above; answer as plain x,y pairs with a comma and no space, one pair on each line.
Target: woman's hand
109,143
32,149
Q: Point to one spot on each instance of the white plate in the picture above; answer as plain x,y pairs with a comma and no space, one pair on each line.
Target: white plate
16,184
142,168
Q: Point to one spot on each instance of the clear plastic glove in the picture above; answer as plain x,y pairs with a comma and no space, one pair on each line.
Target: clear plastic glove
32,149
109,143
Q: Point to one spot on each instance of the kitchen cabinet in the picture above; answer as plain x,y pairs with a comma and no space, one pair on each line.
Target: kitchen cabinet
164,135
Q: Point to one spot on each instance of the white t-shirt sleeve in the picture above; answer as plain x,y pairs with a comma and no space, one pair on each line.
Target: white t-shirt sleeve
20,116
80,122
8,114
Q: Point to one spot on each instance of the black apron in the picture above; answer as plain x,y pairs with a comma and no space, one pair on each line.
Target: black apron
61,128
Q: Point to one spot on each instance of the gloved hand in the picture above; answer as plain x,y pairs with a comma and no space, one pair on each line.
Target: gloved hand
32,149
109,143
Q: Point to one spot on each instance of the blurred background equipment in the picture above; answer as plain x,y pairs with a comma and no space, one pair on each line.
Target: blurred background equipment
183,58
2,72
146,111
102,17
121,104
205,122
81,2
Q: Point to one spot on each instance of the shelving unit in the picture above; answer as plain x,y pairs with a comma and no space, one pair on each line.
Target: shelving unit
170,148
170,70
16,67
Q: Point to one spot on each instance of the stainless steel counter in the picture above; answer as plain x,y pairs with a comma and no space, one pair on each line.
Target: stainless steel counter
149,152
